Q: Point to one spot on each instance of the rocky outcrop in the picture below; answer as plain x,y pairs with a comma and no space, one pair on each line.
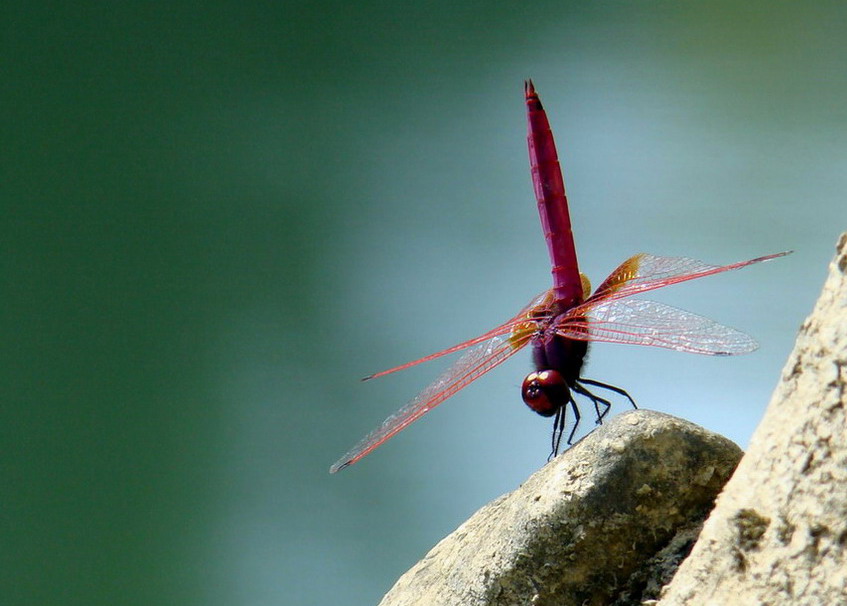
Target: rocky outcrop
588,526
778,534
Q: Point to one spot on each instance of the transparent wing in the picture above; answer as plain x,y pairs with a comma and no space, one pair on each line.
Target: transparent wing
638,322
473,364
644,272
506,328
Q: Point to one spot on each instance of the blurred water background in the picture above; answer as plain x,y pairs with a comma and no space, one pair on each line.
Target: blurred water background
218,216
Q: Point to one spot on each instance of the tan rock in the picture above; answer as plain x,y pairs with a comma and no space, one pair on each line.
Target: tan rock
778,534
581,528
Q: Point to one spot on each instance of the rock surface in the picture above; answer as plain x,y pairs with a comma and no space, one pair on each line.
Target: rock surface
778,534
586,528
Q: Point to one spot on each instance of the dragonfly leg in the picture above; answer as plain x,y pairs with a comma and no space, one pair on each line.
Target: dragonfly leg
561,416
572,402
596,400
617,390
558,428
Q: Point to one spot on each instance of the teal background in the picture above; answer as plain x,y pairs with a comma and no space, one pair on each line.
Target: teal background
218,216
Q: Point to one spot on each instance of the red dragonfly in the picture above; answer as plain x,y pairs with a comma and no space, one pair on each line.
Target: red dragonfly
560,322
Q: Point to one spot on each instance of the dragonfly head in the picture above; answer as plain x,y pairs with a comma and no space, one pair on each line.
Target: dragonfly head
545,391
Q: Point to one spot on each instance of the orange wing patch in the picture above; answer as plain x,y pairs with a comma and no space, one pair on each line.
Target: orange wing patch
625,272
523,331
586,286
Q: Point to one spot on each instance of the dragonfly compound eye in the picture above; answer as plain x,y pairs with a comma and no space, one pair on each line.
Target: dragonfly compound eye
545,391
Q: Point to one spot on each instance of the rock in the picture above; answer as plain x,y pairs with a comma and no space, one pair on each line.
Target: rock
778,534
583,529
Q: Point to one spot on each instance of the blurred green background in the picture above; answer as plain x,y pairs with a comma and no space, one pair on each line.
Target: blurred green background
218,216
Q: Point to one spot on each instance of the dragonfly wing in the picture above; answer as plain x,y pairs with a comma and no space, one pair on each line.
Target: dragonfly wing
644,272
506,328
473,364
639,322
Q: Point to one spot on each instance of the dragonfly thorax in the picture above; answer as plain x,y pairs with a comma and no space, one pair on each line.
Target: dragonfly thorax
553,352
558,363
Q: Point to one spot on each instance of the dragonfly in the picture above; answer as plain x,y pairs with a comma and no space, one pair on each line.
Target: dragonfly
559,323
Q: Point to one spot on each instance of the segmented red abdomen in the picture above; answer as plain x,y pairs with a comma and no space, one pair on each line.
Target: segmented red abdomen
552,202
